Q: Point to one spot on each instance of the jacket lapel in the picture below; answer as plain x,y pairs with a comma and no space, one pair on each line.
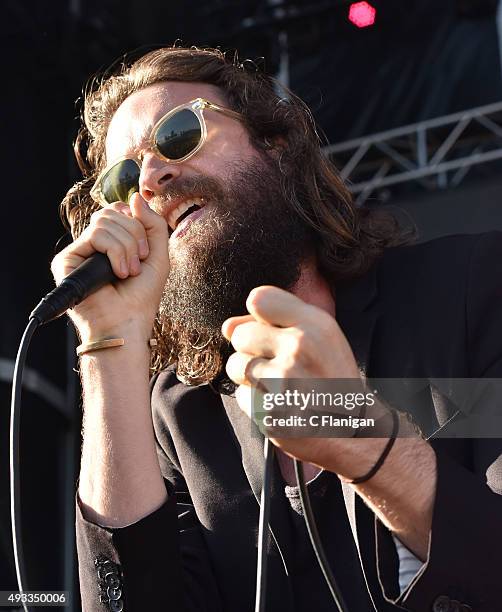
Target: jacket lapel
357,315
249,441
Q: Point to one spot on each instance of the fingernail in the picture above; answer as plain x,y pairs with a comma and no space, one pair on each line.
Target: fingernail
143,247
124,269
135,265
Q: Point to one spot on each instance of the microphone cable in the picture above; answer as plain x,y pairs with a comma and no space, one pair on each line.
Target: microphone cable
263,526
316,540
15,482
92,274
265,502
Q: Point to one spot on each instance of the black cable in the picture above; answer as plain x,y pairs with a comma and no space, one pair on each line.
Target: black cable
315,539
261,570
15,485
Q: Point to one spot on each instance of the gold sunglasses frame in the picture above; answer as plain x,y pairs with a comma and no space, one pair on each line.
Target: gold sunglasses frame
197,106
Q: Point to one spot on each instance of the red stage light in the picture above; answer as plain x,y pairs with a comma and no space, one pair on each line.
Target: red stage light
362,14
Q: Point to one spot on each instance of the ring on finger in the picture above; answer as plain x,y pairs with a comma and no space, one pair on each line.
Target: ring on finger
249,376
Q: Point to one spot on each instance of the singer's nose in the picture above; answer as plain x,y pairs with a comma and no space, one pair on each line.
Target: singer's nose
155,173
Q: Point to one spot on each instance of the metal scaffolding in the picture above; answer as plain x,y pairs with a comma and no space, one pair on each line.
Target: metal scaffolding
436,154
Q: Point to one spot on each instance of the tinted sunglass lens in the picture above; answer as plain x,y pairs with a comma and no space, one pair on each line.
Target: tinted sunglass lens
179,135
121,181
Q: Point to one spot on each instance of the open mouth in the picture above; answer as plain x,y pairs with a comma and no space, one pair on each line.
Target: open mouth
189,209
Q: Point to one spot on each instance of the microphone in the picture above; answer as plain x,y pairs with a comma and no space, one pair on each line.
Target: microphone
91,275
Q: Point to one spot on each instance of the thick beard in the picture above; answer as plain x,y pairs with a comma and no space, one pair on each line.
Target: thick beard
251,237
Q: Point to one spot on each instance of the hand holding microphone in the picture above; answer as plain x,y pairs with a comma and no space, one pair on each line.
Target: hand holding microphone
134,240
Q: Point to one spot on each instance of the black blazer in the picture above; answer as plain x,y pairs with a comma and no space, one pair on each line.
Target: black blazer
424,311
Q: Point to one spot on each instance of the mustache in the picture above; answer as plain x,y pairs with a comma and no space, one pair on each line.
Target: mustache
207,188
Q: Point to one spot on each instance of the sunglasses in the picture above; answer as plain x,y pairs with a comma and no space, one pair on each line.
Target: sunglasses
175,138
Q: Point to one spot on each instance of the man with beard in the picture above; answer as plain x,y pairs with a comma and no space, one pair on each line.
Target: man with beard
248,237
230,231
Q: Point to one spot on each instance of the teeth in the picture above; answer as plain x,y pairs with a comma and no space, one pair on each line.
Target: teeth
175,214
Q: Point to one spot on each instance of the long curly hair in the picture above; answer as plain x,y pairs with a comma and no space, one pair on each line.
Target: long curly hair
349,239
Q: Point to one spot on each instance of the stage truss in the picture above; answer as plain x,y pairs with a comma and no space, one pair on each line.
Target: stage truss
436,154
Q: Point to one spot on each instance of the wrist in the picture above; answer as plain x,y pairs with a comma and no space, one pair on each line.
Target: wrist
355,456
132,330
